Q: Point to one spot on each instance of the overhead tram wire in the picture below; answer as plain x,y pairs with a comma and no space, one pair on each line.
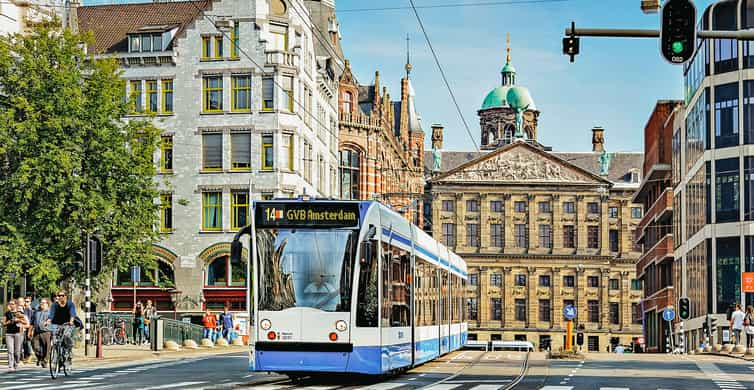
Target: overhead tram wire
444,78
453,5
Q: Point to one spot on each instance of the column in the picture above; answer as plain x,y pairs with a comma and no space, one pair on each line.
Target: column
557,224
580,222
531,221
509,241
557,299
625,301
580,295
508,300
485,310
460,226
626,238
532,303
604,299
484,225
604,226
436,219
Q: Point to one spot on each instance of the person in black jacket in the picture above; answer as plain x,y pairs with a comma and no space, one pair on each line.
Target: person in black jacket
14,322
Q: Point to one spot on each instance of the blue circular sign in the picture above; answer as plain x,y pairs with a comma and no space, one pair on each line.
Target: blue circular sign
668,314
569,312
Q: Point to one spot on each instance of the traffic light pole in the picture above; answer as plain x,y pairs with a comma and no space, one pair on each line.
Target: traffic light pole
87,296
639,33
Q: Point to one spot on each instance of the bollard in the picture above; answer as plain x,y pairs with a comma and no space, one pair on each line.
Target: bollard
99,343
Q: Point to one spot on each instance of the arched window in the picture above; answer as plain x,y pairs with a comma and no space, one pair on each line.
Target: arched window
347,102
155,284
349,174
509,131
222,273
161,276
528,133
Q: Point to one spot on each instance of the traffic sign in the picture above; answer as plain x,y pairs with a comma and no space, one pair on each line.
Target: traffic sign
668,314
135,274
640,340
748,282
569,312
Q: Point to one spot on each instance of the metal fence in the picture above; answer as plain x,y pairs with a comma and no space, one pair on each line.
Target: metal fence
179,331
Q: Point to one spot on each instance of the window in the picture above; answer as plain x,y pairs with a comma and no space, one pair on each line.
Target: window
221,272
497,309
593,343
593,208
748,108
213,93
545,236
347,102
614,238
593,237
166,213
291,151
636,313
636,212
206,48
268,153
240,151
472,307
519,206
496,279
568,280
593,311
349,174
307,161
212,152
592,281
268,94
448,205
267,196
239,209
520,280
288,91
726,115
727,190
544,207
614,313
279,39
153,104
472,205
449,234
135,45
212,211
521,236
496,206
569,302
544,310
167,96
235,37
569,236
613,284
166,154
726,55
136,102
219,47
473,279
160,276
569,207
241,94
636,284
520,309
496,235
544,280
472,234
612,212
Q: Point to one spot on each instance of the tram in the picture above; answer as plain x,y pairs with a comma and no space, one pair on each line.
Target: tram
349,287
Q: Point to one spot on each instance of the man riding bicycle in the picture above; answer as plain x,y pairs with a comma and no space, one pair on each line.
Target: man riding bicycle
62,313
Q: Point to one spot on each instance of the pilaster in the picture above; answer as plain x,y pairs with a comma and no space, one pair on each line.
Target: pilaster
604,299
556,299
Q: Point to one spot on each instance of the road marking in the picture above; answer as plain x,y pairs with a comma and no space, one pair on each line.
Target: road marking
721,379
557,388
69,386
485,387
443,386
385,386
174,385
614,388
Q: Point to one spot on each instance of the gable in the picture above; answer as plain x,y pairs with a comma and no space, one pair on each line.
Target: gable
520,163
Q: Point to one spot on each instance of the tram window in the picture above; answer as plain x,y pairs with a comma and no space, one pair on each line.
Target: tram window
366,313
386,285
444,297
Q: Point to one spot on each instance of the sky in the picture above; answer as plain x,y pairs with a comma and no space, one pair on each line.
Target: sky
614,83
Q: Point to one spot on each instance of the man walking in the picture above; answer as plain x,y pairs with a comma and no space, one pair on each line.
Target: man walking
226,319
737,322
209,325
13,321
149,313
41,337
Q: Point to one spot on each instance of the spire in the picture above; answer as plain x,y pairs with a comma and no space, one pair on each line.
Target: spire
508,71
408,56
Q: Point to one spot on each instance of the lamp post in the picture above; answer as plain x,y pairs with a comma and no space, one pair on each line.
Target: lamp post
174,297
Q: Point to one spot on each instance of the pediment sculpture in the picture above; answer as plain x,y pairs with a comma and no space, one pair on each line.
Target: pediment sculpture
518,166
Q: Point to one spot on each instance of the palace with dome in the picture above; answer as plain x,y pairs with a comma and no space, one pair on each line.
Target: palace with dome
539,229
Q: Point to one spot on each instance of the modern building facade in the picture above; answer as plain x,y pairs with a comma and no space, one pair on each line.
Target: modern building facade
655,267
381,145
246,96
539,230
713,162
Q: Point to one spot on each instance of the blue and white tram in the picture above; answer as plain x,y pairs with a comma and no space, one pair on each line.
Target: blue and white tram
350,287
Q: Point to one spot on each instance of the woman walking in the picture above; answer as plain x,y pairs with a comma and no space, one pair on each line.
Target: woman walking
14,321
138,325
749,326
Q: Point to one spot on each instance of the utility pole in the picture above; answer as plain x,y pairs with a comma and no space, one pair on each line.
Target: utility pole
87,296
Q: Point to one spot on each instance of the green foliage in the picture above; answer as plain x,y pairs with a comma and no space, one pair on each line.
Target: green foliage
69,163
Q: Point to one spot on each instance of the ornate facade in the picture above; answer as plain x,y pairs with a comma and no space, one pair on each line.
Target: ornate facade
381,145
540,230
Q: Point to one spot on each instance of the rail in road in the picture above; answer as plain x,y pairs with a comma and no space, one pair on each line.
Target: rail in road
463,370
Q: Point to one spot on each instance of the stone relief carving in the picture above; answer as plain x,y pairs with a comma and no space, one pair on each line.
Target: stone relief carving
517,166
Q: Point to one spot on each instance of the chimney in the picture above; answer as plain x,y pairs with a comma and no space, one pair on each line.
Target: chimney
437,136
598,140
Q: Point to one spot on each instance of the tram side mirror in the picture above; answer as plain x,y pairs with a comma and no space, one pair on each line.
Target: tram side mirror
366,252
236,251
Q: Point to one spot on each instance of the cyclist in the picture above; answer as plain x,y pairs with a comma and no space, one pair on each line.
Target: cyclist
62,313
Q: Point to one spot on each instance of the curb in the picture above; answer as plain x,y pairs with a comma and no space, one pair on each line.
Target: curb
159,355
742,357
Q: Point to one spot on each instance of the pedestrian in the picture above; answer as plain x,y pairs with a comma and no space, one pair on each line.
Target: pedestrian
138,324
41,336
749,326
226,319
14,321
29,331
208,321
737,322
149,313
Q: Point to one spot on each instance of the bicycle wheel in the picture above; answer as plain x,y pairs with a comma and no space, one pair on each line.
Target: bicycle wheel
107,336
66,361
54,360
120,337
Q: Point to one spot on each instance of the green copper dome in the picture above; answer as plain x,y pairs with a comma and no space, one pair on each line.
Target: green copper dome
496,98
519,97
508,68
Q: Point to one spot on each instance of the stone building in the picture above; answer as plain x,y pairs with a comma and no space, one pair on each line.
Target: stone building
539,230
246,96
18,16
381,145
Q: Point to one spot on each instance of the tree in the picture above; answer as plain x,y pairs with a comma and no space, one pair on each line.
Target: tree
69,162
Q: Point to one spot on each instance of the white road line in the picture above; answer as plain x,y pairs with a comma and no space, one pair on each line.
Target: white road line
385,386
443,386
69,386
557,388
174,385
614,388
485,387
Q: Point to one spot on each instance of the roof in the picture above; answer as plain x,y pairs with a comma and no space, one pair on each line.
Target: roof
110,24
496,98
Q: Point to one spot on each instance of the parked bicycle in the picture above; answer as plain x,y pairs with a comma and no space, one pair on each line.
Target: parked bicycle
111,330
61,349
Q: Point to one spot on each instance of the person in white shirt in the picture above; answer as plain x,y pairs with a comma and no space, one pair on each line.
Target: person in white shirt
737,322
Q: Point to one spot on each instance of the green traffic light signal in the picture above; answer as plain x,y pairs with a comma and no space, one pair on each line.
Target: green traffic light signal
677,47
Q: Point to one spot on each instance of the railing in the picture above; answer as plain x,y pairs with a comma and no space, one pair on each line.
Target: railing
663,202
279,57
662,248
179,332
346,118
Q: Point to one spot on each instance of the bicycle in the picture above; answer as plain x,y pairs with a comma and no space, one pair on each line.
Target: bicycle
60,354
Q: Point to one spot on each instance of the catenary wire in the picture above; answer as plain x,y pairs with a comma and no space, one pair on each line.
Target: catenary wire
453,5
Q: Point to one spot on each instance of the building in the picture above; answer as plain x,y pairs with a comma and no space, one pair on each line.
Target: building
381,145
656,267
538,229
246,96
18,16
713,162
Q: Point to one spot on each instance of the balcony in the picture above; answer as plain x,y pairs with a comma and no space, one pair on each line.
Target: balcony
360,120
280,57
662,250
661,206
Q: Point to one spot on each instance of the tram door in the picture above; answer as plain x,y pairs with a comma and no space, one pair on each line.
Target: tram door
444,313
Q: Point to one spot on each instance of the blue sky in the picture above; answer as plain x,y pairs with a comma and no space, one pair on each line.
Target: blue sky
614,83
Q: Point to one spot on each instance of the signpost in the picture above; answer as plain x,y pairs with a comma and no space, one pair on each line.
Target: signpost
569,312
135,278
669,315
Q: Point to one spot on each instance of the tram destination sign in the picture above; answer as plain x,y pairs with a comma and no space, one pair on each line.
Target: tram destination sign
307,215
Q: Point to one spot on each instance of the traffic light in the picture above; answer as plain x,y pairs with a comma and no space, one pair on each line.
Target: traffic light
684,310
579,339
678,31
571,46
713,325
95,255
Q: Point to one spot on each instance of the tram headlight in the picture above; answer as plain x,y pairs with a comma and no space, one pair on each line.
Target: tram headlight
265,324
341,326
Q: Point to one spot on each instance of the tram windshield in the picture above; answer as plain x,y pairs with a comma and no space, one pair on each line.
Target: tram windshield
305,268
